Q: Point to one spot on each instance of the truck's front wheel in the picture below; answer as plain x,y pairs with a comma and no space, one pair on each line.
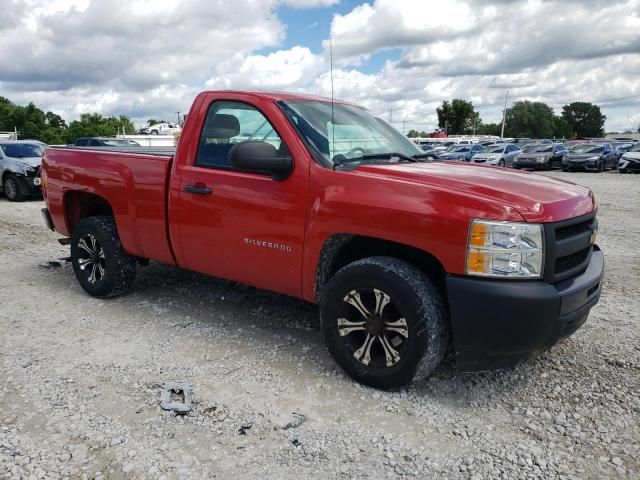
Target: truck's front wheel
101,265
384,322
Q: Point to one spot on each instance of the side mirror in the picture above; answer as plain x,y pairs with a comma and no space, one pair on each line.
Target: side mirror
260,157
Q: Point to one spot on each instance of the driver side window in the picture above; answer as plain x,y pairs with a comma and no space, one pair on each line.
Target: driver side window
227,124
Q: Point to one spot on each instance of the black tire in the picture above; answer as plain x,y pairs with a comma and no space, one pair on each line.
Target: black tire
11,189
421,341
601,166
565,169
501,163
154,132
105,260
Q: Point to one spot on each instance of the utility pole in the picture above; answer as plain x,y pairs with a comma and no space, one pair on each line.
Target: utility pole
404,123
504,114
178,113
391,115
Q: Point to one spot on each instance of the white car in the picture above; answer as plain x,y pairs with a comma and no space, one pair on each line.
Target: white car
164,129
19,164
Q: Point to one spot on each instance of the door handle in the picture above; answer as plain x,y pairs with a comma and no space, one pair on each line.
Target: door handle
198,189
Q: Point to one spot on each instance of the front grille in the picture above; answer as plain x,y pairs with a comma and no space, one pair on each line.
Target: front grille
568,247
569,262
573,230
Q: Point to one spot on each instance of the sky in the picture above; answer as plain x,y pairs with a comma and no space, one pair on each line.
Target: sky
399,58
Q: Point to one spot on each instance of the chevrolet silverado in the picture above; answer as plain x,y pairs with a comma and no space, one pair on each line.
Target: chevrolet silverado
320,200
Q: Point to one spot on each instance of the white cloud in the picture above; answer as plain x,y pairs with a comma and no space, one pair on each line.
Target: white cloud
278,70
149,58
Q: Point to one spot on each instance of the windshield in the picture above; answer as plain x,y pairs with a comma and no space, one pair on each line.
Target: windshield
588,149
531,148
636,148
460,149
337,133
22,150
545,149
493,149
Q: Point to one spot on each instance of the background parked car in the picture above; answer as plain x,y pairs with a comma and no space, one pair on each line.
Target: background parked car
19,164
590,156
621,148
430,152
461,153
105,142
163,129
501,154
630,161
541,156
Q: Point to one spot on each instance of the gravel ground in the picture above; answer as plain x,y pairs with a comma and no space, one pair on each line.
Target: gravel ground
81,380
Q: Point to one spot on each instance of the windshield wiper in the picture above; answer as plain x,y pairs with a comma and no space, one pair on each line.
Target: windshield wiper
375,156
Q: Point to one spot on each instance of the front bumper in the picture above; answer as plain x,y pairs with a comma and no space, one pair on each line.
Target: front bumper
629,165
498,323
532,164
29,186
588,166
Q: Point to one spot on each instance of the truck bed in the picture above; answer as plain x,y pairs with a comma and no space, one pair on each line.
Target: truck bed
131,180
155,151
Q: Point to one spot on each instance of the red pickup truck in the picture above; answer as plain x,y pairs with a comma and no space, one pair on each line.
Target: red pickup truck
322,201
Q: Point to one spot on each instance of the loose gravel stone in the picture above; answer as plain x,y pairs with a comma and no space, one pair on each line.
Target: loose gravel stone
81,380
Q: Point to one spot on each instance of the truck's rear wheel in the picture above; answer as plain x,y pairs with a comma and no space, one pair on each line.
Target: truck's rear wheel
101,265
384,322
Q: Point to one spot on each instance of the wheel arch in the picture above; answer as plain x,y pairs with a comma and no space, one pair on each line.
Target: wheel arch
341,249
78,205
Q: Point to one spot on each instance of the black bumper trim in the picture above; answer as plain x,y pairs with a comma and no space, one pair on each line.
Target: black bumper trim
27,187
47,219
498,323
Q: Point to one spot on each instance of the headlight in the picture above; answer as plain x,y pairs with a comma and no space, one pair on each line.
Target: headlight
593,159
26,169
542,159
504,249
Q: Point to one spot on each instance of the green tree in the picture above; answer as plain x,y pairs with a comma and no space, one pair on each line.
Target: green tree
424,134
95,125
530,119
31,122
457,117
584,118
489,129
153,121
413,134
561,129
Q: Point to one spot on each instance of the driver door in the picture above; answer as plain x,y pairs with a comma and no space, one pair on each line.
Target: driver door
245,227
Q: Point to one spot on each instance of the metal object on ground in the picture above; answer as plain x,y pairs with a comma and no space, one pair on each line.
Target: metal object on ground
180,405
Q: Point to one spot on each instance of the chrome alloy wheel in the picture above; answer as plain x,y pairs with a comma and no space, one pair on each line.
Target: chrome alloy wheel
375,339
91,258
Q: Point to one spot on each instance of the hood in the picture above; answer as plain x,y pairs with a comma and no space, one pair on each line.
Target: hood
534,155
582,156
486,156
32,161
453,154
537,198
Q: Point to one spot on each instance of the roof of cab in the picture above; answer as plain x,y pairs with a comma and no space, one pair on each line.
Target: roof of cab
277,96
